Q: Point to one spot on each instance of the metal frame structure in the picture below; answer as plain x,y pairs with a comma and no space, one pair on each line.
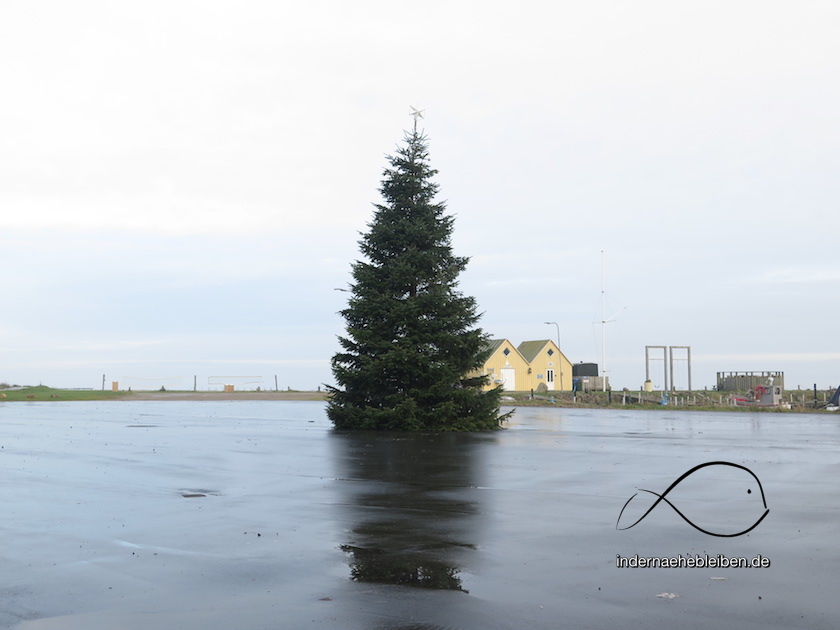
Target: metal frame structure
664,362
668,364
687,360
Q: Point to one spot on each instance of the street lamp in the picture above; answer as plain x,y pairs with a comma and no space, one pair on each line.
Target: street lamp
560,359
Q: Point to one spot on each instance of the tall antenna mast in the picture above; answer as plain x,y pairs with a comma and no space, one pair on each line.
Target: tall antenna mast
604,322
603,331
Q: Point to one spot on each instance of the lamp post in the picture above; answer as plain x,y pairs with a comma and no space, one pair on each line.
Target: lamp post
560,358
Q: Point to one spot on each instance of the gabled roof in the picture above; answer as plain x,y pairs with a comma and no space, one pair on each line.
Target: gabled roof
530,349
493,345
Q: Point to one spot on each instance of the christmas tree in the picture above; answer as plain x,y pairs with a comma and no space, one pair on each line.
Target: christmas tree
412,356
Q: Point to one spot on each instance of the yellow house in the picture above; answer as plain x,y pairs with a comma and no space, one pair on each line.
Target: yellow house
550,370
533,365
506,367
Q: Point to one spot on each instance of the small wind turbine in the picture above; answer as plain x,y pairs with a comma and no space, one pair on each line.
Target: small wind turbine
416,114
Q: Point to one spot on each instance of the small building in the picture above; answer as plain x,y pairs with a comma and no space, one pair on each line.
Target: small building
746,381
506,367
586,379
585,369
533,365
548,369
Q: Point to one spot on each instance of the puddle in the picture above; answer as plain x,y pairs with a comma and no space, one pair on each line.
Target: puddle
189,493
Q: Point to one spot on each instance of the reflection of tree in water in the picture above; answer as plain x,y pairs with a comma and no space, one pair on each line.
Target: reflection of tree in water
375,565
407,504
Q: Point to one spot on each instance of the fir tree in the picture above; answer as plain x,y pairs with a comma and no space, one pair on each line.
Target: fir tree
412,355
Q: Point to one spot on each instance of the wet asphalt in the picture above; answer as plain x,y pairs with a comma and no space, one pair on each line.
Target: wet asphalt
255,514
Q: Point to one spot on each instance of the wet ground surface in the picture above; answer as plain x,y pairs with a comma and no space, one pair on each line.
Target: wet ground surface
258,515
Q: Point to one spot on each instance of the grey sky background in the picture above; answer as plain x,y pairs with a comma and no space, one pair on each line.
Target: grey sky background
183,184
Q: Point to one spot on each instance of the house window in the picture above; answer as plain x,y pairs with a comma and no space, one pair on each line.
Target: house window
506,351
550,352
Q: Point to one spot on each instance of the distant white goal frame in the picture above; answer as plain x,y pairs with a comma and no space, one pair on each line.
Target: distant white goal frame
153,383
238,382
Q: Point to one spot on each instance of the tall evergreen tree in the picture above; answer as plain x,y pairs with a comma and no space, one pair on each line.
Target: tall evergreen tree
412,355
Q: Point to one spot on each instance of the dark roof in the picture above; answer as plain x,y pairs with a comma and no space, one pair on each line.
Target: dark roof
530,349
494,344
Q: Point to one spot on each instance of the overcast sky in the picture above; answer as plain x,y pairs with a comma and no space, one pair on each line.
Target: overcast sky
182,184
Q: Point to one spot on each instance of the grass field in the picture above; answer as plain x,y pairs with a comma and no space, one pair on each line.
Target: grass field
42,392
799,401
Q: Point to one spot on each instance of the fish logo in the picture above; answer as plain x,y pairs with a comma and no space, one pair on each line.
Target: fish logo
662,497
